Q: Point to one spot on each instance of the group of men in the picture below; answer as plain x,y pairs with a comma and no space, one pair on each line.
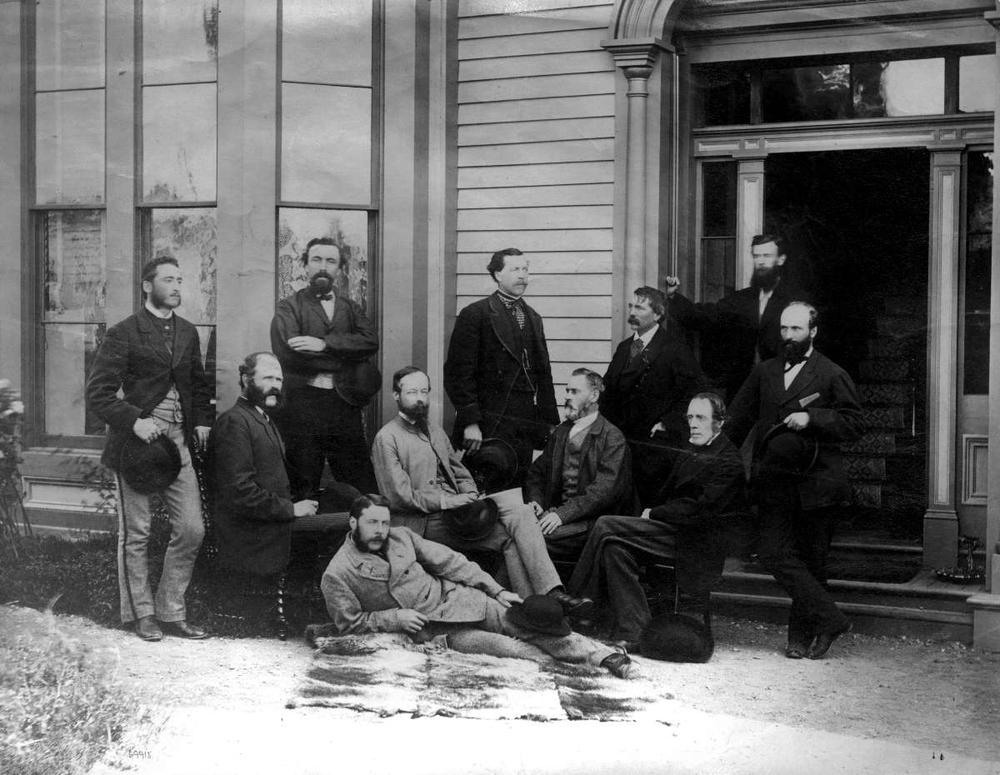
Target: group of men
639,470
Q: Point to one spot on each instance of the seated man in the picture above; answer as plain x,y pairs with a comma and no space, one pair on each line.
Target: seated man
584,471
687,529
423,479
389,579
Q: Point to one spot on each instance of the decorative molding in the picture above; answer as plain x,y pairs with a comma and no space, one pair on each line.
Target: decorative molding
60,495
638,52
975,472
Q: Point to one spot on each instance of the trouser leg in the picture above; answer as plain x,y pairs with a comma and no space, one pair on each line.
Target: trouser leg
627,598
344,445
134,521
522,527
304,456
574,647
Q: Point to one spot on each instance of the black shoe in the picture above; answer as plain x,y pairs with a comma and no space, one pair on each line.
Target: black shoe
796,649
147,629
825,639
618,664
628,646
575,607
184,630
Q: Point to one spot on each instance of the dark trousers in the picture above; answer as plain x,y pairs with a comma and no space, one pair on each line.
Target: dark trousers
793,545
319,426
519,426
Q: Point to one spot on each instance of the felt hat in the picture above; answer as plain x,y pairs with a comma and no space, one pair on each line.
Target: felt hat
149,467
336,496
677,638
473,521
541,614
785,451
493,465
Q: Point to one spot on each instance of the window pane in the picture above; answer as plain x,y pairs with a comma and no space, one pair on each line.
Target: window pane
69,357
189,235
178,143
978,254
180,40
807,93
977,83
327,41
913,87
723,93
69,147
73,257
326,134
69,44
348,228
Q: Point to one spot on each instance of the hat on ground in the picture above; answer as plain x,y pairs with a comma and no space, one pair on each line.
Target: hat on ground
784,451
493,465
541,614
677,638
149,467
473,521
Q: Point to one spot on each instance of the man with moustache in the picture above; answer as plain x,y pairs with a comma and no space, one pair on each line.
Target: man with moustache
389,579
687,527
801,406
646,389
584,471
323,342
740,330
254,510
148,381
497,373
423,477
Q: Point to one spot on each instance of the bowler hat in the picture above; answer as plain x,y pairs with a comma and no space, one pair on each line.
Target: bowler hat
149,467
336,496
541,614
493,465
473,521
677,638
785,451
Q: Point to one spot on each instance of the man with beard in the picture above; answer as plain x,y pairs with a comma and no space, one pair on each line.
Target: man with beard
497,373
254,511
389,579
740,330
646,389
801,406
584,471
687,528
423,478
148,381
323,342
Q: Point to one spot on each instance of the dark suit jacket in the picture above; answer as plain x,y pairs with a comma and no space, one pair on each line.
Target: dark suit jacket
350,340
656,388
134,358
734,330
605,480
253,502
828,394
484,362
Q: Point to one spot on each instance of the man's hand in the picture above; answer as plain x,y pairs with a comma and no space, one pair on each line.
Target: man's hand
645,514
461,499
536,508
472,436
658,428
305,508
201,436
146,428
673,283
307,344
410,621
797,421
548,522
505,597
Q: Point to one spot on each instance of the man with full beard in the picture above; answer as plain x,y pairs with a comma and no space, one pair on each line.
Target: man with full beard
741,329
254,511
323,341
801,406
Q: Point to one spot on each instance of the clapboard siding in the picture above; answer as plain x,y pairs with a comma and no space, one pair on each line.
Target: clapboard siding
535,164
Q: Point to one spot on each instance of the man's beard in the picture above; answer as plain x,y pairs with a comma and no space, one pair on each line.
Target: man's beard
765,279
795,352
322,283
259,397
417,414
363,545
576,414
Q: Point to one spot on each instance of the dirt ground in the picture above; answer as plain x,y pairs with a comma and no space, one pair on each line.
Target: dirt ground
938,695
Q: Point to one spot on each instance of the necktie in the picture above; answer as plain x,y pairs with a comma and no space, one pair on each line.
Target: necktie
635,350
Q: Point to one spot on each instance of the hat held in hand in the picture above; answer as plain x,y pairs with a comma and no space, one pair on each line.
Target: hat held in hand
149,467
541,614
493,465
473,521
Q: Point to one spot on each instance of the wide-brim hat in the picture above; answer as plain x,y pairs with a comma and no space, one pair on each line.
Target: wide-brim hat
493,465
149,467
677,638
782,449
473,521
541,614
336,496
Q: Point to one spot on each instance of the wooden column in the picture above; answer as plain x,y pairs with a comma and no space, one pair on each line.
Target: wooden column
749,214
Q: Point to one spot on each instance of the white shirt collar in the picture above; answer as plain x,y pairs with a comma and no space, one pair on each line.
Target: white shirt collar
647,337
583,423
156,313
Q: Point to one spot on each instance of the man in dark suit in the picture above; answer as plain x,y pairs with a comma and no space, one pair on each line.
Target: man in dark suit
583,472
740,330
801,406
497,373
646,389
154,358
687,528
324,342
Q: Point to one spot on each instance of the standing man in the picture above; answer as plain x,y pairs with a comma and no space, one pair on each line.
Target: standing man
154,358
584,471
740,330
647,386
497,373
324,342
801,406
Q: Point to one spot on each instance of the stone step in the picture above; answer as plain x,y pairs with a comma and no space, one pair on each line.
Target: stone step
892,418
884,370
872,443
865,468
886,393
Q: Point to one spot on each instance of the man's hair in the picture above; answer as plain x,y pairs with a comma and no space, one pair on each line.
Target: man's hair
763,239
150,268
718,405
364,502
657,299
498,260
324,241
249,365
406,371
594,380
813,313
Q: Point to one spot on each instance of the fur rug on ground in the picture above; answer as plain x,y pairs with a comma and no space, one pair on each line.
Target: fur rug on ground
388,674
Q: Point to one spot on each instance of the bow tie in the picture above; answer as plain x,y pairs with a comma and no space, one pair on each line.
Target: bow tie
324,296
789,365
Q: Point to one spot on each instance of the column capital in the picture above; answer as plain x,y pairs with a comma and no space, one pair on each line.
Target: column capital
993,18
637,52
